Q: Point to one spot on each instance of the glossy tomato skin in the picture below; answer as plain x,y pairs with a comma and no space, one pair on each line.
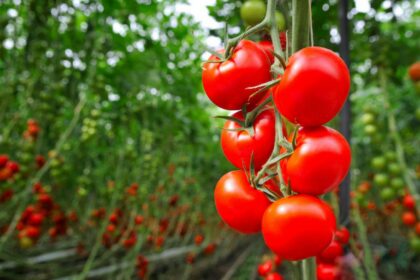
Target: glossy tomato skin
268,47
314,87
320,161
228,83
240,205
298,227
238,146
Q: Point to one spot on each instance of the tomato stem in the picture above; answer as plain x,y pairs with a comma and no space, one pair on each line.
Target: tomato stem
300,24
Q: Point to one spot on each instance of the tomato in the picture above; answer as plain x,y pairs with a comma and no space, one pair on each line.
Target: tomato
397,183
387,194
268,47
298,227
414,71
370,129
253,11
394,168
319,162
238,146
368,118
314,87
378,162
3,160
409,202
342,235
327,272
228,83
408,218
238,203
281,21
265,268
273,276
381,179
331,253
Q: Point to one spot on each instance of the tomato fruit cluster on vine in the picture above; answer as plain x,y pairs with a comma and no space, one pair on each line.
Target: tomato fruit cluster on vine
280,176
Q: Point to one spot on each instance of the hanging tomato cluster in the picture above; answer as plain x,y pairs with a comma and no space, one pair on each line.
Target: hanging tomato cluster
312,161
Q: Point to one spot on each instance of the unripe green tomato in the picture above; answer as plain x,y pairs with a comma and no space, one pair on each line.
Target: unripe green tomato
82,191
370,129
55,163
394,168
55,173
253,12
368,118
415,244
397,183
381,179
281,21
387,194
368,108
390,155
378,162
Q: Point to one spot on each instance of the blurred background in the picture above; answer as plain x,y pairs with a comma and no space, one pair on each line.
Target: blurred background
109,149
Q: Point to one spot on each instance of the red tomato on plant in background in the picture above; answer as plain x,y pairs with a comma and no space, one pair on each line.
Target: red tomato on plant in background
273,276
238,203
331,253
342,235
409,218
320,161
228,84
265,268
328,272
298,227
238,146
314,87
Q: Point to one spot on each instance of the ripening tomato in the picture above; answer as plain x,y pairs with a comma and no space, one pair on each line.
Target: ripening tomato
327,272
238,203
320,161
239,145
331,253
298,227
414,71
228,84
314,87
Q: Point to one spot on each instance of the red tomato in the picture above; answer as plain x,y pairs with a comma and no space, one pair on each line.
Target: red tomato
3,160
320,161
238,146
298,227
327,272
268,47
331,253
408,202
408,218
238,203
314,87
273,276
342,235
417,228
228,83
265,268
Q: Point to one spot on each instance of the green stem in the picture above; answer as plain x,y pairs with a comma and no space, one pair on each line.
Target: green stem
309,269
368,257
300,24
392,126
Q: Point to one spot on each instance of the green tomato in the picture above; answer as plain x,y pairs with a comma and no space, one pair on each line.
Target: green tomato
387,194
370,129
397,183
394,168
361,200
253,12
281,21
391,156
381,179
415,244
368,118
378,162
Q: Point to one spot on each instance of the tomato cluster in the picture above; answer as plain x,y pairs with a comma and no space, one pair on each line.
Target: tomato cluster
268,268
314,160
